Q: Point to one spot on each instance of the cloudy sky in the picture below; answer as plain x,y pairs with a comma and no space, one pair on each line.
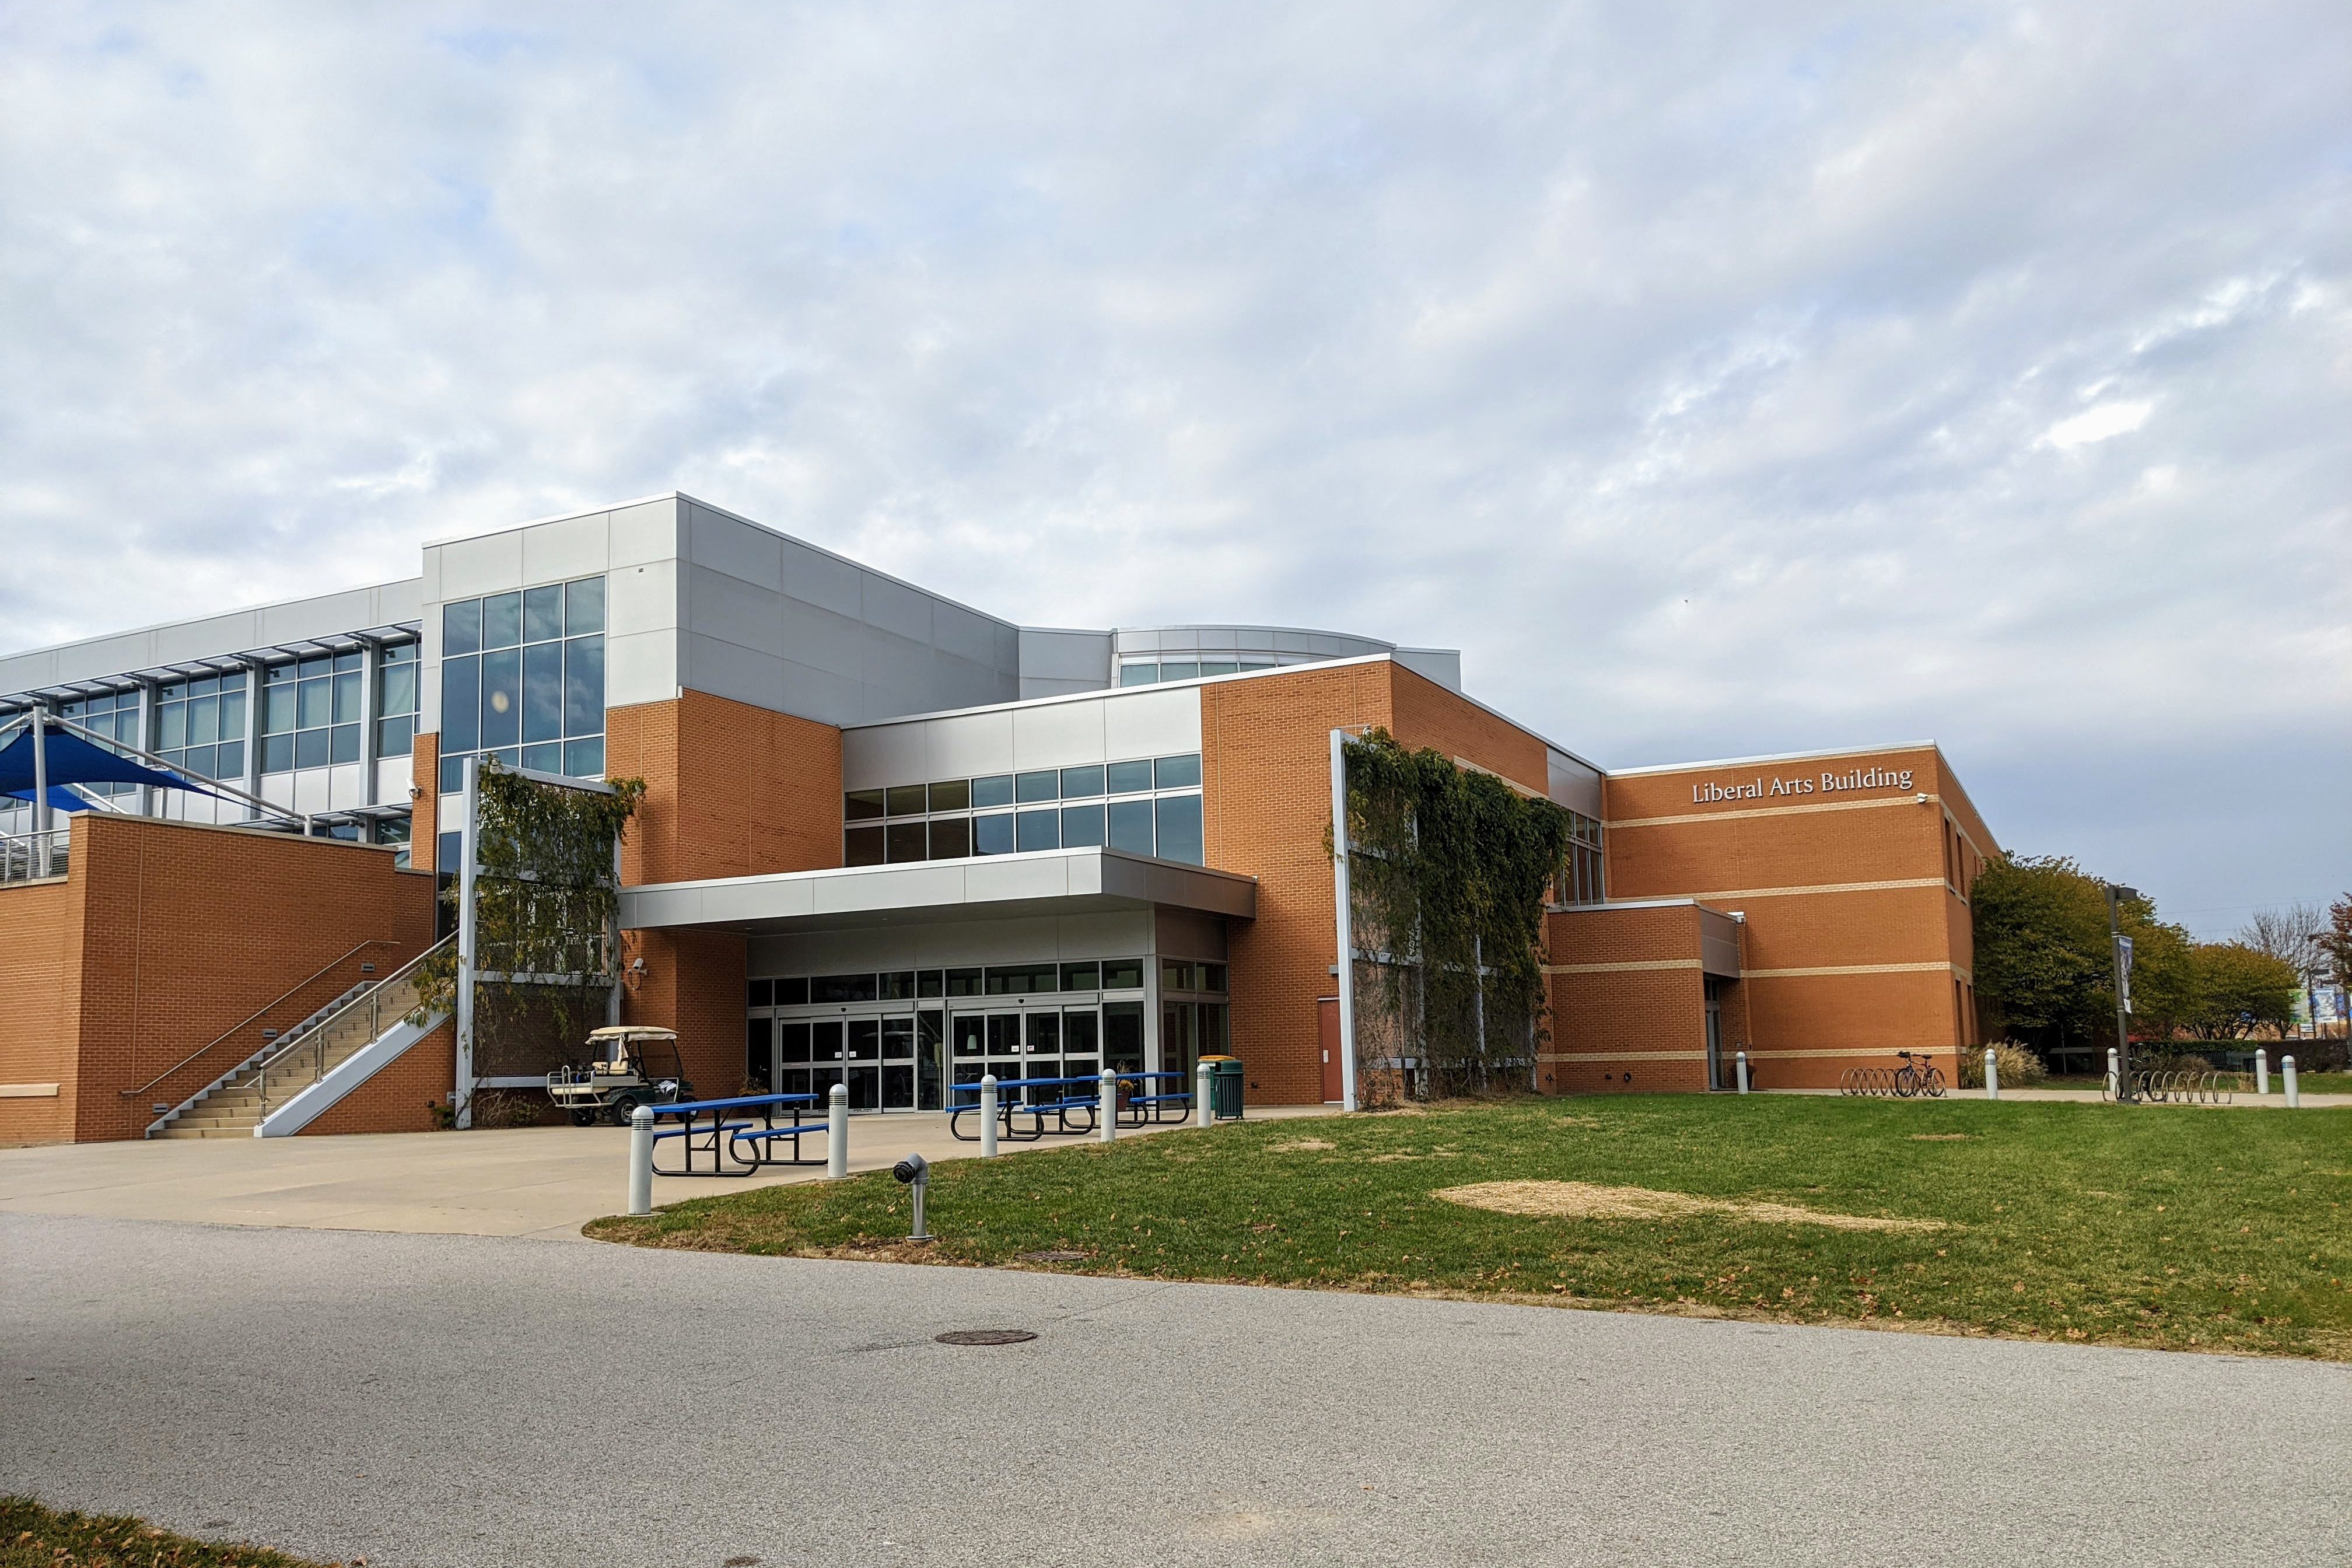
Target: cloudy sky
1721,380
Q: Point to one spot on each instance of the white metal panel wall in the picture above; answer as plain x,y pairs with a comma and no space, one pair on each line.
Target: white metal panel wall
1147,722
1123,933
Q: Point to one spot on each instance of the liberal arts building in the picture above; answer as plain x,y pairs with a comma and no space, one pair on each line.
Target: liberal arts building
887,840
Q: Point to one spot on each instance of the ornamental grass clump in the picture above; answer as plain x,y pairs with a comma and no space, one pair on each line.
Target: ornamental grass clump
2020,1068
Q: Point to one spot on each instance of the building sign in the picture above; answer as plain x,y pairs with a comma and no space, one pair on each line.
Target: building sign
1782,788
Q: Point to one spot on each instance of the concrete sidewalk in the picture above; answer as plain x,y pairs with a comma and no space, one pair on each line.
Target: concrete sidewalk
543,1182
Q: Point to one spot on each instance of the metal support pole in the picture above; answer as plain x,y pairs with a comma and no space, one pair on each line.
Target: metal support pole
988,1116
468,931
1992,1075
2111,1073
2115,950
1201,1115
836,1133
41,813
920,1187
1740,1065
1343,910
2293,1088
1107,1107
2262,1072
641,1160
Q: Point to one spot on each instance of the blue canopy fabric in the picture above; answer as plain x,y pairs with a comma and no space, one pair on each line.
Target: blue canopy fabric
74,761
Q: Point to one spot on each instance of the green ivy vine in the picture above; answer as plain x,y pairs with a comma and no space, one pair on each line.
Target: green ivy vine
546,909
1448,873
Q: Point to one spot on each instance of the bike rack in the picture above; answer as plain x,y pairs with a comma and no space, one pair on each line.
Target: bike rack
2185,1088
1892,1083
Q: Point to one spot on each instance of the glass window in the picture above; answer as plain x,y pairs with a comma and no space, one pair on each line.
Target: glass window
1122,1028
542,691
1175,975
345,747
964,983
1036,787
992,834
461,627
1082,826
1079,783
908,841
502,621
861,805
763,994
899,985
1138,674
396,682
1122,974
1179,825
1081,976
862,846
1210,666
583,686
501,697
931,982
583,606
950,838
544,758
792,1041
843,988
542,614
585,759
1130,827
311,705
1212,977
310,747
1021,979
461,705
347,696
905,800
1041,830
953,794
1179,669
1129,778
995,789
1178,772
792,992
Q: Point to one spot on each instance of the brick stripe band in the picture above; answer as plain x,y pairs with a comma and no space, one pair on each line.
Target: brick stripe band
1821,887
1621,1055
1851,968
1642,965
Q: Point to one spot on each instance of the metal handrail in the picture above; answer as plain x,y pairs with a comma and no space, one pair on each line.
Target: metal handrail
21,849
316,1034
257,1014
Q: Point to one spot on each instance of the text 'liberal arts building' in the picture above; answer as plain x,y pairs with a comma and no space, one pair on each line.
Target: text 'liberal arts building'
887,840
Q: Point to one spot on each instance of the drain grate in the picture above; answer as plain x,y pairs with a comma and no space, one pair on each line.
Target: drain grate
985,1337
1052,1255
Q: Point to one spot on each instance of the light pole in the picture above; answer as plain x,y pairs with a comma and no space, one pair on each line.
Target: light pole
2120,946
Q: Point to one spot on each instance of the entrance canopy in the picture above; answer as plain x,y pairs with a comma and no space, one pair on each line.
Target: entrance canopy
1043,882
71,760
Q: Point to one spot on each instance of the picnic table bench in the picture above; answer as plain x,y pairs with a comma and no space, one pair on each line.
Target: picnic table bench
1152,1109
732,1122
1059,1105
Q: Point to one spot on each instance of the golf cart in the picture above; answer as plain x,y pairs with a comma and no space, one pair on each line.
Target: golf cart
631,1066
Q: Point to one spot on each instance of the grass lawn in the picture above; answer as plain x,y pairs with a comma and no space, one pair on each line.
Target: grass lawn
32,1536
2208,1229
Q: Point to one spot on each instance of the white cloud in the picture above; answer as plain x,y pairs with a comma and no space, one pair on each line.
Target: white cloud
1699,378
2097,424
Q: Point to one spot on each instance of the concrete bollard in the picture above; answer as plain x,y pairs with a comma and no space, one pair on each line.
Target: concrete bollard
1201,1115
2114,1085
1107,1107
988,1116
1739,1063
2262,1072
641,1160
1992,1075
836,1133
2294,1090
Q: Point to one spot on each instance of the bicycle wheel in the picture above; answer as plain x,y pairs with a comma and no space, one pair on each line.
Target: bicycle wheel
1907,1081
1935,1083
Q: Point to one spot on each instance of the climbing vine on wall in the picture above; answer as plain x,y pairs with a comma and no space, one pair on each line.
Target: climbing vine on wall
546,910
1448,873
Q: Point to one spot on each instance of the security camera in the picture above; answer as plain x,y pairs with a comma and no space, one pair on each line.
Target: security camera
1921,798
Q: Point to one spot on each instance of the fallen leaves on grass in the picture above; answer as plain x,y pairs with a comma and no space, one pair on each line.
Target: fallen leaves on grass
1583,1199
1301,1146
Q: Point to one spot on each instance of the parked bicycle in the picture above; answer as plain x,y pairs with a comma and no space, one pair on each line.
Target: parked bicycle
1918,1076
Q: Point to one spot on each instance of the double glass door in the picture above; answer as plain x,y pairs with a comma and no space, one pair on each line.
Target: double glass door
890,1062
1030,1043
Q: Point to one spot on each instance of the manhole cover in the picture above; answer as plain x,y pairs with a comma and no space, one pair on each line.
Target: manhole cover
985,1337
1052,1255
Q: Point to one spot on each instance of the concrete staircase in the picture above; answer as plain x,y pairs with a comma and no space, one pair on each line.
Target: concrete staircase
337,1047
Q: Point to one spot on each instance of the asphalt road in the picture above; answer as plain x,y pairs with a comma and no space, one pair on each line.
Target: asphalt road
459,1399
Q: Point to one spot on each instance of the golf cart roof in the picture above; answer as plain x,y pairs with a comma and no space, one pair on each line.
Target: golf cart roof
631,1032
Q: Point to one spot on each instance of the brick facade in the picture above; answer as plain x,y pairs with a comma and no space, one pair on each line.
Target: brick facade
164,936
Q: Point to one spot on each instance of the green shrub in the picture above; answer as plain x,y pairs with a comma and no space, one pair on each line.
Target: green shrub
2020,1068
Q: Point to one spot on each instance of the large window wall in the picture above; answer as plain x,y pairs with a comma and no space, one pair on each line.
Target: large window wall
1580,879
1148,805
899,1039
523,679
115,716
200,725
310,711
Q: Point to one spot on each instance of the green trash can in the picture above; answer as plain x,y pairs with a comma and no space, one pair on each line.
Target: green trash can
1225,1088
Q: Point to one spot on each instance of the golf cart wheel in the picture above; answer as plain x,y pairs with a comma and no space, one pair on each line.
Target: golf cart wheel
584,1118
623,1109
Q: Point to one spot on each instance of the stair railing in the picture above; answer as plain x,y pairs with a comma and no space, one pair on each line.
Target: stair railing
316,1034
259,1013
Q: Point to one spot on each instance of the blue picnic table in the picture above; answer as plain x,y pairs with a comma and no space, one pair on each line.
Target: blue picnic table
738,1123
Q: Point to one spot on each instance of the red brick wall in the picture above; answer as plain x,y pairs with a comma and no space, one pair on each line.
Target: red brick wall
1628,1001
1845,889
424,825
40,959
172,932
